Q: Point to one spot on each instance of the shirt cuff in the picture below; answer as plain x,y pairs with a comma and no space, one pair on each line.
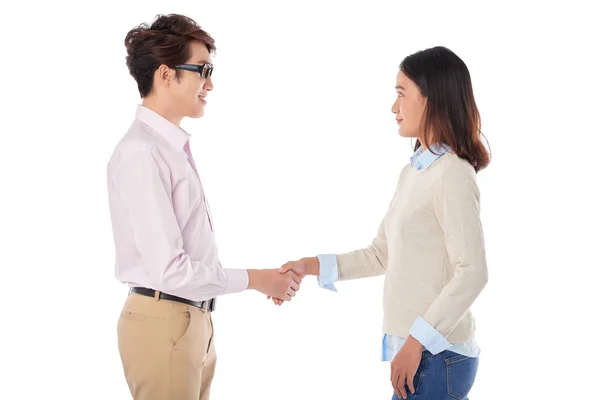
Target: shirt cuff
328,271
429,337
237,280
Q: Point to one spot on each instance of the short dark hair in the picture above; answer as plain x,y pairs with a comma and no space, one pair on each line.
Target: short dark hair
451,114
166,41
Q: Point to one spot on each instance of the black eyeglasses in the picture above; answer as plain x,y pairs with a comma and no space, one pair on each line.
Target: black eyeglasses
205,70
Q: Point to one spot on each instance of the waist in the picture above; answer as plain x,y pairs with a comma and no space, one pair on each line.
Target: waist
207,305
391,345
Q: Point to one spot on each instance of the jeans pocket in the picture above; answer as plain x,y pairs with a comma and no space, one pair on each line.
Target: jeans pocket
460,375
418,376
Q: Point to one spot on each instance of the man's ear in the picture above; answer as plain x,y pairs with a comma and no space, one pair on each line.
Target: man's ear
164,75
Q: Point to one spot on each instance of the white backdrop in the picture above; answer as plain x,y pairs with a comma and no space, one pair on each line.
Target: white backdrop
299,155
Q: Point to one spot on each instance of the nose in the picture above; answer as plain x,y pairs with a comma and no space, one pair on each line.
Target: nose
208,84
395,109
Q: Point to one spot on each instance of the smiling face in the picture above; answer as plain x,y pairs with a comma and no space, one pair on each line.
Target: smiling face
188,92
409,107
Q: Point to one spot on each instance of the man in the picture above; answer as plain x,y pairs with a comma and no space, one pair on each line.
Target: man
163,229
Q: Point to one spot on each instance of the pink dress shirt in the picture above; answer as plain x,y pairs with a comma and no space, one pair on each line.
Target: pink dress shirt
163,230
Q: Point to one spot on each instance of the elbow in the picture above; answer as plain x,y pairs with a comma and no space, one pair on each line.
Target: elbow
482,279
476,277
170,276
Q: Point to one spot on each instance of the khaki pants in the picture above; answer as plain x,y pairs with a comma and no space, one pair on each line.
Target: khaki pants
166,348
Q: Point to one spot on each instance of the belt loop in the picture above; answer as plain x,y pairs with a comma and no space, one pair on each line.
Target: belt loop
156,295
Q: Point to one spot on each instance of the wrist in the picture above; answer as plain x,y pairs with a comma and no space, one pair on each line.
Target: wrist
415,343
312,265
255,278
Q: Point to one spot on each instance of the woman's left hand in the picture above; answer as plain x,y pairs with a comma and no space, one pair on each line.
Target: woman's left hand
405,365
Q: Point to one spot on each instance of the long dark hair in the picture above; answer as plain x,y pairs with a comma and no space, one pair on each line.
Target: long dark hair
451,116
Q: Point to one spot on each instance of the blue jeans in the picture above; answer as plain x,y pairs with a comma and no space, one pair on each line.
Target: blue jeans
445,376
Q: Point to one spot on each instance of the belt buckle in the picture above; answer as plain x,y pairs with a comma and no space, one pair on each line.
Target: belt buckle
209,305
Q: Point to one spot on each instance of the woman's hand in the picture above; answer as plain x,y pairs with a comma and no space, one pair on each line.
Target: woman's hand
304,266
404,367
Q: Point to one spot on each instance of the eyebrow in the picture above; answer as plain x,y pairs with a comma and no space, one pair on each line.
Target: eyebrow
399,87
203,62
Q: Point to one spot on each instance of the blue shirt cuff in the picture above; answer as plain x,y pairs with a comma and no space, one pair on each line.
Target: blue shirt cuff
328,271
430,338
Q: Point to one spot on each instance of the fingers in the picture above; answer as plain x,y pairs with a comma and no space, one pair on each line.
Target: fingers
286,267
296,278
275,300
402,385
283,285
394,378
410,380
293,283
298,267
398,379
295,286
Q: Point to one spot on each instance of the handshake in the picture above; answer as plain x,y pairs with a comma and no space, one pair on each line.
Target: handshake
283,283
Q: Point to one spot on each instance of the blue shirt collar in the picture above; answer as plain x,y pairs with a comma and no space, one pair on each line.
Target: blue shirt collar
423,159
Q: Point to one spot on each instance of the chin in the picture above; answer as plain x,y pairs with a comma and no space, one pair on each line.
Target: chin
405,134
198,113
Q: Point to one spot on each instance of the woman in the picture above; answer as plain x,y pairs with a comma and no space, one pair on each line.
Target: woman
430,245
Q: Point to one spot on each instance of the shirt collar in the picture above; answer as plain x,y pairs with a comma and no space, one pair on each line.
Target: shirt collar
422,159
174,134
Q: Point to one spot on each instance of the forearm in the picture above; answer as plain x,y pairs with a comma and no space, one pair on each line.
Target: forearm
326,267
362,263
193,279
457,297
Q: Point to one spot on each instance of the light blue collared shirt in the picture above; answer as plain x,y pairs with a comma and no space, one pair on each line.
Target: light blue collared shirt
421,330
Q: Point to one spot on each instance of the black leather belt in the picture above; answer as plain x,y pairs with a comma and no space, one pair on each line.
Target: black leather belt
206,305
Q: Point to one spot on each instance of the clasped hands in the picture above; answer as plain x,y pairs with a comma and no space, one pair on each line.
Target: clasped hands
279,284
297,268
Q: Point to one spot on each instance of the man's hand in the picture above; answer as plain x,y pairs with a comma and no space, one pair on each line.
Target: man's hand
304,266
298,268
404,367
274,283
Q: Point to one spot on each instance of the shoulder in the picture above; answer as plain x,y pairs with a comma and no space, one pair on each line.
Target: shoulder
139,139
452,167
456,179
139,142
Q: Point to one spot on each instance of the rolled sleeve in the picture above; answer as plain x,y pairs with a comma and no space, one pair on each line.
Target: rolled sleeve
430,338
328,271
237,280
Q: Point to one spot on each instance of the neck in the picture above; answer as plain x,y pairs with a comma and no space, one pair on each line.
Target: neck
159,107
422,141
